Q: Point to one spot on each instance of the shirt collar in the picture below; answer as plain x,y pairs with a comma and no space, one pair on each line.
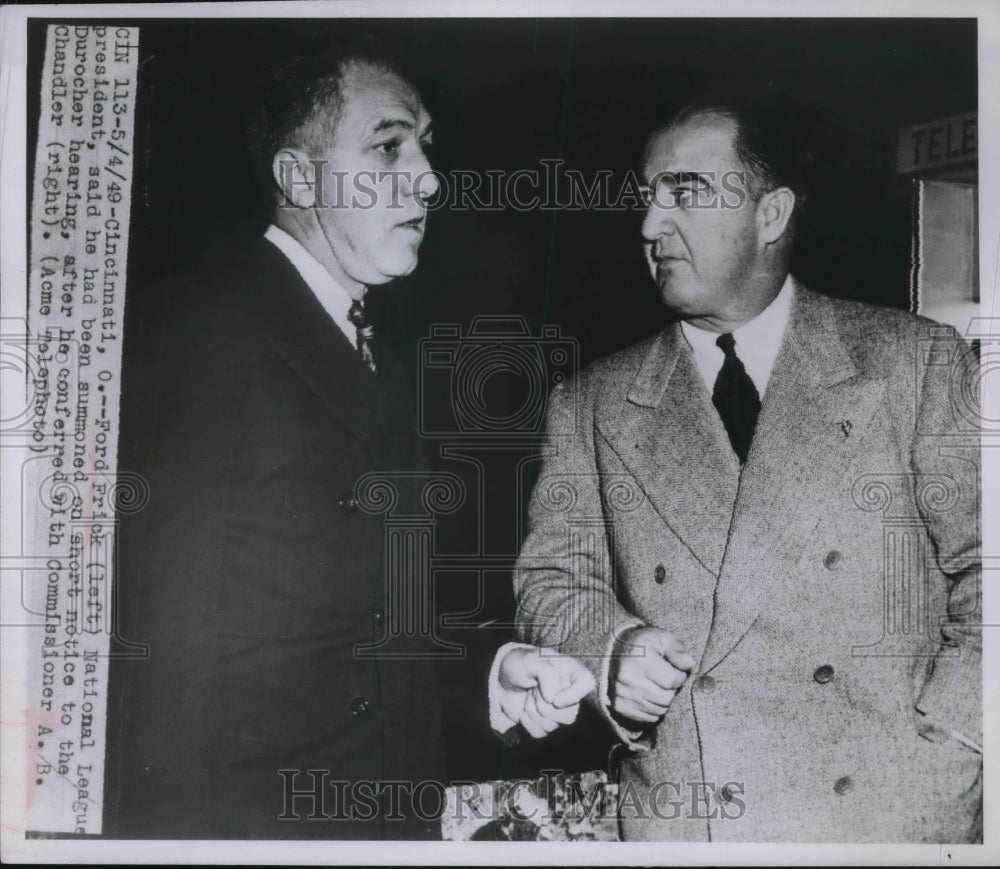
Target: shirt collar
331,295
757,342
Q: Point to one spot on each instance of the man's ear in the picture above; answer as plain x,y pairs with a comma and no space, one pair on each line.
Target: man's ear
774,211
295,175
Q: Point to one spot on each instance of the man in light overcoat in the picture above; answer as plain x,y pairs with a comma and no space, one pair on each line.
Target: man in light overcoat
760,529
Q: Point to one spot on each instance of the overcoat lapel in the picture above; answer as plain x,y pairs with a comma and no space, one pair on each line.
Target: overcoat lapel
671,439
814,421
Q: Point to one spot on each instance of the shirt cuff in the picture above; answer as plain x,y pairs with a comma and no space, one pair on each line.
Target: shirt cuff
934,731
506,704
958,736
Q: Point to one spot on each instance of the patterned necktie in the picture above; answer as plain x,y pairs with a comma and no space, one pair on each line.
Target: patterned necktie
366,335
736,398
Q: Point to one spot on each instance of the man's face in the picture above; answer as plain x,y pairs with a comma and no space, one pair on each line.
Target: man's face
375,177
702,254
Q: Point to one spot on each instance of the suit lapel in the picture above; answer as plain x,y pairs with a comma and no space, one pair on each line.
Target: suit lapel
343,390
672,441
317,351
801,449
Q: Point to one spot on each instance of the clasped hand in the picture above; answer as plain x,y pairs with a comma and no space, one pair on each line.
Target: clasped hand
542,688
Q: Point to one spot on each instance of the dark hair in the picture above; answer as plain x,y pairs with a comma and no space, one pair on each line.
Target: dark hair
770,141
301,102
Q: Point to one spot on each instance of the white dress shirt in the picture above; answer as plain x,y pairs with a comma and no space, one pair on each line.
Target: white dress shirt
757,342
332,296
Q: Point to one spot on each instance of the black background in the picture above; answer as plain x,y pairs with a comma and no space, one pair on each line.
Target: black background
505,94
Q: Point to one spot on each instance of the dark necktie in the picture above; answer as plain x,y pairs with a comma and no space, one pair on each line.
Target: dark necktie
366,335
736,398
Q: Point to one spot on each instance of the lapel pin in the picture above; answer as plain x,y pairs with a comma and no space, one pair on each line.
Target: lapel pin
845,427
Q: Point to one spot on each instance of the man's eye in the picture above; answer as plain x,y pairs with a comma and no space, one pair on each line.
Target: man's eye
646,192
391,147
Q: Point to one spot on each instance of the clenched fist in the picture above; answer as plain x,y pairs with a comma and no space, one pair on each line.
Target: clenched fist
647,668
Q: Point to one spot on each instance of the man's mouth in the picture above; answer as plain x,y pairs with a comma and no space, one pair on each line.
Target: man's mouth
666,257
414,223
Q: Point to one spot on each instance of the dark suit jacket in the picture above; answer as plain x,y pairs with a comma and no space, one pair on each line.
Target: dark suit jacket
251,575
828,591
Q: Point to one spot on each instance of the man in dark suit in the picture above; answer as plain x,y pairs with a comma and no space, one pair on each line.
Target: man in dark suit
267,421
783,613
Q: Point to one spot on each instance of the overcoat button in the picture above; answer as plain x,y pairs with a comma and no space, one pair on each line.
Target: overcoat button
843,785
832,559
348,503
705,683
360,706
660,574
823,674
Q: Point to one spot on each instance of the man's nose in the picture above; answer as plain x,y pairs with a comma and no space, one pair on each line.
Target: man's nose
658,221
424,181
